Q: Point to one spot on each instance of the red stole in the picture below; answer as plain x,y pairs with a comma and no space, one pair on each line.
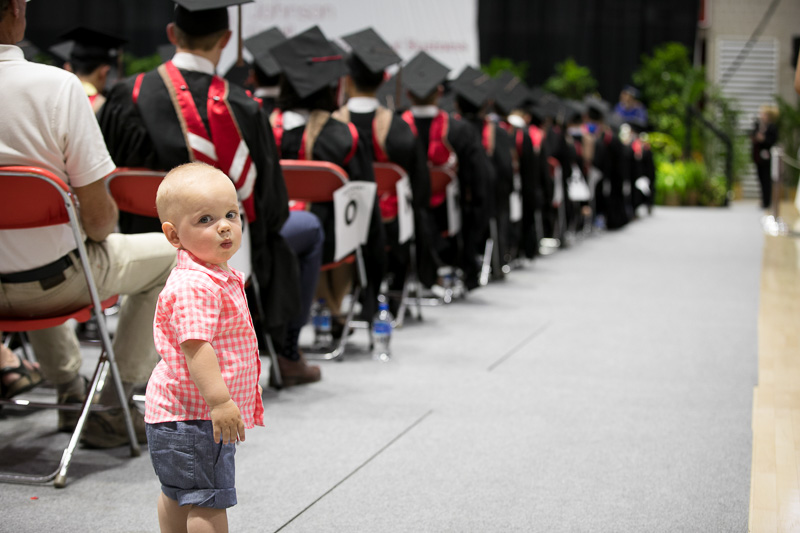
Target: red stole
438,148
223,147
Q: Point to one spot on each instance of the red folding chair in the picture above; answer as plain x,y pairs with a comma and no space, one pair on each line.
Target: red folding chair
386,176
134,190
54,205
315,182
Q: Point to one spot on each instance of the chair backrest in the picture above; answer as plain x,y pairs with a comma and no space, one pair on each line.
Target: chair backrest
441,177
20,186
312,181
134,190
386,176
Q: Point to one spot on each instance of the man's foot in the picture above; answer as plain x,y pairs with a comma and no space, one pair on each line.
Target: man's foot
71,393
107,429
16,376
296,372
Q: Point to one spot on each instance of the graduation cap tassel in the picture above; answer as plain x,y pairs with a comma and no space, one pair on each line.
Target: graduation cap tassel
398,86
239,56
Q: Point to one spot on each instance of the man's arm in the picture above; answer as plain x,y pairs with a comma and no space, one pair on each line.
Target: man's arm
98,211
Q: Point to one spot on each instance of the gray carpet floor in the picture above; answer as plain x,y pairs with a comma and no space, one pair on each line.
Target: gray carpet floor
607,387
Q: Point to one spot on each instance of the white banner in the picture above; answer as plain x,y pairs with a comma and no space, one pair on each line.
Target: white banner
453,208
515,200
446,29
405,211
241,260
352,207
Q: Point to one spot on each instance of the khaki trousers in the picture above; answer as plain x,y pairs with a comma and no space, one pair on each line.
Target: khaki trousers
133,266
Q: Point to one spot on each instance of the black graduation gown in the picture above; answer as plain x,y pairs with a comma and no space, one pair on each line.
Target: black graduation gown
148,134
403,148
609,158
474,170
532,168
333,144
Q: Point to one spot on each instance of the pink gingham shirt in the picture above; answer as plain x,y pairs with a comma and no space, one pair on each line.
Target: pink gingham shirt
202,301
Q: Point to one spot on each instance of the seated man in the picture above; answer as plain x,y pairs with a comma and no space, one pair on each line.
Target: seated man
39,270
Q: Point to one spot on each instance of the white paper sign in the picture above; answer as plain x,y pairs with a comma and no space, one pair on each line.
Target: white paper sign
242,259
352,207
515,200
558,187
405,211
453,208
515,206
576,188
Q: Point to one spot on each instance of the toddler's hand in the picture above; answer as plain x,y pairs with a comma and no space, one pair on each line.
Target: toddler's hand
227,421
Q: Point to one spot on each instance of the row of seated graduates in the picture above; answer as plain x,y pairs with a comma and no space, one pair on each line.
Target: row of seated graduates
496,133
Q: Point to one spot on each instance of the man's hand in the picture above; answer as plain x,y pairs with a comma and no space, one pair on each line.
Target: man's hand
227,421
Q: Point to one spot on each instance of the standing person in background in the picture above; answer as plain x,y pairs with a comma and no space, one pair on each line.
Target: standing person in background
763,138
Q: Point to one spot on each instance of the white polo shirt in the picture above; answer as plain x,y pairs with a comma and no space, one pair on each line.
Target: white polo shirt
45,121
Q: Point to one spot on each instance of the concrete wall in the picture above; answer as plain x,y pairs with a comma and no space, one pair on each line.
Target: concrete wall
739,18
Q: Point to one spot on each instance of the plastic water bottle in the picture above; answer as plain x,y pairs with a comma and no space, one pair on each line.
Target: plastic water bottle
382,333
321,320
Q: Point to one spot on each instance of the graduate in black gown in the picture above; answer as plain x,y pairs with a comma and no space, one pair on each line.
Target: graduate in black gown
447,141
472,90
265,72
511,98
392,140
306,129
144,126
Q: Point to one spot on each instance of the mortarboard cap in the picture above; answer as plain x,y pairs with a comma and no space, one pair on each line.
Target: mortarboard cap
596,107
633,91
388,94
62,51
260,45
473,85
371,50
511,92
423,74
309,61
91,45
202,17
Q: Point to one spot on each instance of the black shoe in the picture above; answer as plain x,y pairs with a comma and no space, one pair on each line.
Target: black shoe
107,429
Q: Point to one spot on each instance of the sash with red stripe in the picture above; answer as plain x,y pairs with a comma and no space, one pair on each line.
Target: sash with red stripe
537,134
438,149
223,147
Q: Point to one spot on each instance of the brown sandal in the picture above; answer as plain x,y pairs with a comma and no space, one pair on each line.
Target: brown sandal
27,380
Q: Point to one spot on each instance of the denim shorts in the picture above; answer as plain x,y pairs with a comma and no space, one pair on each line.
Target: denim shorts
192,468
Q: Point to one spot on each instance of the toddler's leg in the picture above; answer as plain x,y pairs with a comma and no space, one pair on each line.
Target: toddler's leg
172,518
207,520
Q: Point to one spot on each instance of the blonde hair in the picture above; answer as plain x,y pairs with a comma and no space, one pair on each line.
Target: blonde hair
172,190
771,111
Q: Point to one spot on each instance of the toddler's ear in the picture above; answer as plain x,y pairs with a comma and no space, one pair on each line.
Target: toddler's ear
171,233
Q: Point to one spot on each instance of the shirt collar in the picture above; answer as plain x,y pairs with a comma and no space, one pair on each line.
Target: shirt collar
362,104
187,61
190,262
424,111
90,89
9,52
267,92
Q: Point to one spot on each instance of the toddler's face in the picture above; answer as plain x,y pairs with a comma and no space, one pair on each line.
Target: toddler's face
209,225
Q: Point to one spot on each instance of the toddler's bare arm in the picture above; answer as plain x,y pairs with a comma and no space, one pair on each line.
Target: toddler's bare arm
204,370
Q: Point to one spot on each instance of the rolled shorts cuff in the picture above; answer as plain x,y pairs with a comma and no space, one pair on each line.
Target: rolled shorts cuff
212,498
